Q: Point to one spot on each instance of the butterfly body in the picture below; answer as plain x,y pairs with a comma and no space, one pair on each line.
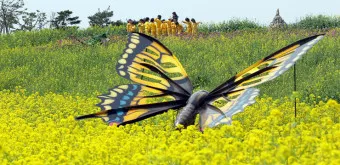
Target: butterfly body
188,114
161,83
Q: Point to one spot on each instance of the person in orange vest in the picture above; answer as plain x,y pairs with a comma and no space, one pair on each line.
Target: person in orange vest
129,26
173,28
158,25
153,27
147,26
141,26
179,28
194,26
164,27
189,26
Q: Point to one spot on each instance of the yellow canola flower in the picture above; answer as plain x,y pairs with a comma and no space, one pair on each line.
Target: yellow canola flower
40,129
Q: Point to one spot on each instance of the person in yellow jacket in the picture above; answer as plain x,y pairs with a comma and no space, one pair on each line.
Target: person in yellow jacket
158,25
169,26
129,26
147,26
164,27
173,28
189,26
153,27
141,26
133,27
194,26
179,28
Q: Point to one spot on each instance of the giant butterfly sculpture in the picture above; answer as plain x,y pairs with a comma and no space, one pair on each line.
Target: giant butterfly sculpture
163,84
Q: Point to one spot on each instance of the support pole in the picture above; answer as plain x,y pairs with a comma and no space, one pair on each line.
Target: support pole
294,90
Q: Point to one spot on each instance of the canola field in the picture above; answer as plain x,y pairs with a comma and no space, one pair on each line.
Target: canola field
45,82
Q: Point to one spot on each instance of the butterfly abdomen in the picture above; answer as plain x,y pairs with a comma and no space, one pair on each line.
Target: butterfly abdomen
187,115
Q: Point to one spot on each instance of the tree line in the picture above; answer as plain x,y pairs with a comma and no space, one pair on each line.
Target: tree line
15,17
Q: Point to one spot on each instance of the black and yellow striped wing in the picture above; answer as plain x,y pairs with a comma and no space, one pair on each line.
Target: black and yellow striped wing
148,62
125,115
135,94
268,68
163,83
133,102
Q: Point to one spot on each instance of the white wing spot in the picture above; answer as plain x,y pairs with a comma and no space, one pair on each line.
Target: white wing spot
107,107
121,67
129,51
125,55
134,37
118,90
135,41
113,94
124,86
122,61
105,97
105,118
108,101
122,73
132,46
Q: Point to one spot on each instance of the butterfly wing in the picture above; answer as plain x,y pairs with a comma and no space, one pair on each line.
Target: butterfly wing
130,103
268,68
121,116
134,95
212,115
163,83
237,92
143,53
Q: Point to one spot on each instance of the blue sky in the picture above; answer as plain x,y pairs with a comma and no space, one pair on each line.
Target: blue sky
261,11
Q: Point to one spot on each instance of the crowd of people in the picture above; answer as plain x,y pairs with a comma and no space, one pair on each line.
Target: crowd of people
157,27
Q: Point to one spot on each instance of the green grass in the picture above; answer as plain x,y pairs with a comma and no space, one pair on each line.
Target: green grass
39,64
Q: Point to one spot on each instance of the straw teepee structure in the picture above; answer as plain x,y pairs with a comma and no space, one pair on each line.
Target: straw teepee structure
278,22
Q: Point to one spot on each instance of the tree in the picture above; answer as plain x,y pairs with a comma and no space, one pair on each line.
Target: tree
10,10
118,23
64,20
101,18
32,20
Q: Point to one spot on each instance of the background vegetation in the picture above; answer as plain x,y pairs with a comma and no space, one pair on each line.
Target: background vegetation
42,62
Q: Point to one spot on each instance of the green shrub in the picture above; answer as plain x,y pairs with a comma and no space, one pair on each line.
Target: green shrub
317,22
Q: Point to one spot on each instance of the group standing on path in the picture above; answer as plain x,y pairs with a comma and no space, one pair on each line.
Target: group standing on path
157,27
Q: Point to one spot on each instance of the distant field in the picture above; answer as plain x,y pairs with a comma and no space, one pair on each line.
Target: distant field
68,66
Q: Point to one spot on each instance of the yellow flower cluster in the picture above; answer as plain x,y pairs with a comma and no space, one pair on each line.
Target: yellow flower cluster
40,129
